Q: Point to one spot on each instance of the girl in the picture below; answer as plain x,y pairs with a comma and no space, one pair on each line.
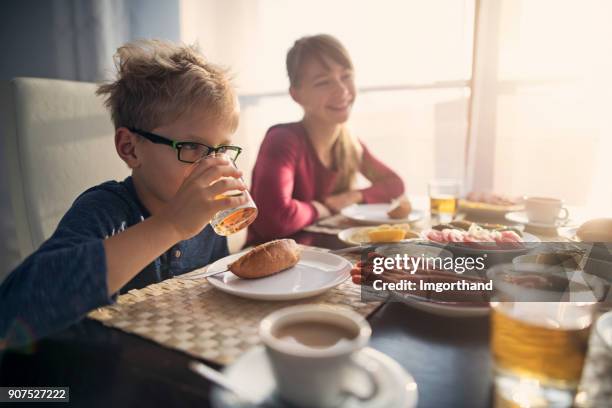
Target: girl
306,170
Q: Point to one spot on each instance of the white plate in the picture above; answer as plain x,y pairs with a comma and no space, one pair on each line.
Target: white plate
252,372
442,309
377,214
527,237
315,273
415,248
569,233
521,218
345,236
437,308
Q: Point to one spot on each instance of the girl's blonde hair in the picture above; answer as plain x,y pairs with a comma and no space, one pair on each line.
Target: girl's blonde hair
158,82
345,151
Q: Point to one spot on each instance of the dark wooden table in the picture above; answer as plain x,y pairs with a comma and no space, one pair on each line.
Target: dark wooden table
449,358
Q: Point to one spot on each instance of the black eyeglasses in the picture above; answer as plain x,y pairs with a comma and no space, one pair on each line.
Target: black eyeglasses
190,152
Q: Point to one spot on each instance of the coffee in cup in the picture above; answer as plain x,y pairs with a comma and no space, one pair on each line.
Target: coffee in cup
311,349
316,334
545,210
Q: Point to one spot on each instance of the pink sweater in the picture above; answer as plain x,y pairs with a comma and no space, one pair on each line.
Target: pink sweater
288,176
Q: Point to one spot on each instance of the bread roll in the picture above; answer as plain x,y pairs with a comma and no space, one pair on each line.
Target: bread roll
597,230
266,259
400,209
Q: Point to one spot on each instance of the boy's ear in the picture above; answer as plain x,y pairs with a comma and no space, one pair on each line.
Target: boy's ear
125,144
295,95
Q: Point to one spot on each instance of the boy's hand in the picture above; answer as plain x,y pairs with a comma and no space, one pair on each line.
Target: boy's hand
194,204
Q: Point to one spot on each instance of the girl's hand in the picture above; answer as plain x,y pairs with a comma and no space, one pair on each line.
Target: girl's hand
338,201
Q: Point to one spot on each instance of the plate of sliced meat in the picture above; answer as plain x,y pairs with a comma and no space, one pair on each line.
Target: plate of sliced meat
433,290
494,243
480,236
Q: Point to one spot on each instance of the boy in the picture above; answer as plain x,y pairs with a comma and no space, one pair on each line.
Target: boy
169,107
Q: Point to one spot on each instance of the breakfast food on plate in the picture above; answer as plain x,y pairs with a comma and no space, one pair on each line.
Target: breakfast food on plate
461,224
363,274
400,209
386,235
493,198
466,225
266,259
383,233
490,203
474,234
596,230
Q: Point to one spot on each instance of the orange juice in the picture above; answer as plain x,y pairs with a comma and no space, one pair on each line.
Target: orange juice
230,221
548,354
443,204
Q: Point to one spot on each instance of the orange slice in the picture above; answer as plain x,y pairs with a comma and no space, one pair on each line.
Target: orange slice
386,235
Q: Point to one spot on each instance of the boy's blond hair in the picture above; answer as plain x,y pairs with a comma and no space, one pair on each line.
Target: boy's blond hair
158,82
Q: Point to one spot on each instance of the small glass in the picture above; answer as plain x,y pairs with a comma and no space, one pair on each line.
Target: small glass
443,197
230,221
540,323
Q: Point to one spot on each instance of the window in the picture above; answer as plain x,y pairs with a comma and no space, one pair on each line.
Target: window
412,60
541,122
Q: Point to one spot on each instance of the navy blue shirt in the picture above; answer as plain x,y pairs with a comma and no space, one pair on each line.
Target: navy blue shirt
66,277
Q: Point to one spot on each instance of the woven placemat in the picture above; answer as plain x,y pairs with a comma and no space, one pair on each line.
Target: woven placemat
331,225
193,317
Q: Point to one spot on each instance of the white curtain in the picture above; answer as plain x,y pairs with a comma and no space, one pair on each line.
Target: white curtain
86,35
541,117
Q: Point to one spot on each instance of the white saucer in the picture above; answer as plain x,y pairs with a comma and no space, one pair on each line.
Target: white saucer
569,233
377,214
252,372
521,218
315,273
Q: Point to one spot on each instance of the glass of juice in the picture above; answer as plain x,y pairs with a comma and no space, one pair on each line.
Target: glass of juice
443,197
230,221
540,324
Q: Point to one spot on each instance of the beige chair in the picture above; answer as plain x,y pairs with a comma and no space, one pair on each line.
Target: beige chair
57,140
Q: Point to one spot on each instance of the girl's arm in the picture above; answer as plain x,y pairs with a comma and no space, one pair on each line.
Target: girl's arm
386,184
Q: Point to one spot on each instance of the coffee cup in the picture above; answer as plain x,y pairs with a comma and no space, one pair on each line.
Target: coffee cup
545,210
312,351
